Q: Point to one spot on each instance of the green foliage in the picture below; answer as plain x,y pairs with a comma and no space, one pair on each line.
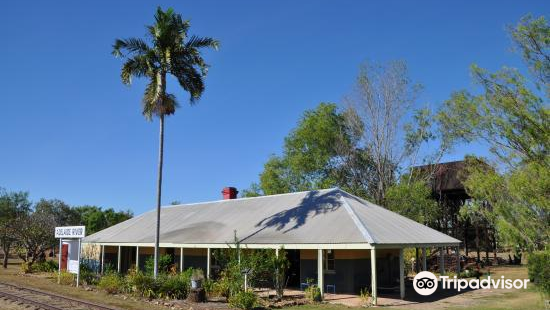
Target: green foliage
45,266
321,151
112,283
173,286
26,267
514,120
170,51
164,265
62,213
167,286
96,219
538,265
34,235
508,116
313,293
66,278
13,205
532,38
366,297
517,202
87,275
243,300
412,199
280,265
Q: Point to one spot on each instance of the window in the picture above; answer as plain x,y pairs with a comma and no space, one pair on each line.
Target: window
329,260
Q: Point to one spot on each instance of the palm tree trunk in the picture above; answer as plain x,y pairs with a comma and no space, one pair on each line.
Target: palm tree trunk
159,192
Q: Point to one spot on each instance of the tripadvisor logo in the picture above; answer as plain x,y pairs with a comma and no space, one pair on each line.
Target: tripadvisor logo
425,283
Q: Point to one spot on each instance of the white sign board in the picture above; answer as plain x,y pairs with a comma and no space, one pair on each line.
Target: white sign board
70,232
73,255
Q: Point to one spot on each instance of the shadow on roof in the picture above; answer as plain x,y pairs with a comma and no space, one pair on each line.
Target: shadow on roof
313,204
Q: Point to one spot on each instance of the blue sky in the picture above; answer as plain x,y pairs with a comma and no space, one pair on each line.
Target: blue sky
71,130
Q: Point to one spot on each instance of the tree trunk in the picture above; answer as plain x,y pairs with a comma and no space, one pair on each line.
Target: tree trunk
159,192
5,259
487,243
477,243
466,237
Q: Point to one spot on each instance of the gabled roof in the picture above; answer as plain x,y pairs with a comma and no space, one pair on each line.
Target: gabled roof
329,216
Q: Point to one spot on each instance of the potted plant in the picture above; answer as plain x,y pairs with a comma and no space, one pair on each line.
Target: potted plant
196,278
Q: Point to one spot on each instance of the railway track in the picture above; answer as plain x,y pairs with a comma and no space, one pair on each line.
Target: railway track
37,299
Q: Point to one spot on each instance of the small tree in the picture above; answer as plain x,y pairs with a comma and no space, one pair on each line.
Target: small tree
280,266
12,206
35,234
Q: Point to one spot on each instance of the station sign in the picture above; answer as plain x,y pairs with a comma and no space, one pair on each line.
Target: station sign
70,232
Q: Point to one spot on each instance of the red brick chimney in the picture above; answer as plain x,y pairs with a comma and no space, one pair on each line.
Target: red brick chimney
229,193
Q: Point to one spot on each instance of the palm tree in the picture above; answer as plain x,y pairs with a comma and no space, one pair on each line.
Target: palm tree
169,51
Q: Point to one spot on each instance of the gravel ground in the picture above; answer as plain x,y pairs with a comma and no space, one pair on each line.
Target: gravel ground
9,305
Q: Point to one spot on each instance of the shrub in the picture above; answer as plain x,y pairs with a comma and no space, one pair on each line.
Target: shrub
165,286
243,300
365,296
66,278
165,264
87,275
45,266
141,284
313,293
172,286
538,265
26,267
112,283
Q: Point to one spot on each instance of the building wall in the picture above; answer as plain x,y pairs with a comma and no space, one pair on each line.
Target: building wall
352,269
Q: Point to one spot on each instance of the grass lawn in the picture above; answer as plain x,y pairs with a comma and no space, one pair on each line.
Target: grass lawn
528,299
48,283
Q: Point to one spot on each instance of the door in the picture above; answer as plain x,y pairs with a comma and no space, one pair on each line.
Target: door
64,255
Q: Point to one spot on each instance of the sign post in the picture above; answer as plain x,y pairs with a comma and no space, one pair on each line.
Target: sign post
69,249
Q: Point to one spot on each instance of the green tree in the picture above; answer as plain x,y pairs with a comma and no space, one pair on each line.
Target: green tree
513,119
321,152
96,219
412,199
34,235
62,213
531,38
13,205
170,52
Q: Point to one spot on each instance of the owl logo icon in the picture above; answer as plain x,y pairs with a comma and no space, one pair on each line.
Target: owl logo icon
425,283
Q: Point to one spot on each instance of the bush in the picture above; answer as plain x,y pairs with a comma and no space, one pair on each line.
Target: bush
112,283
87,275
366,297
538,265
26,267
165,264
141,284
313,293
165,286
45,266
66,278
243,300
173,286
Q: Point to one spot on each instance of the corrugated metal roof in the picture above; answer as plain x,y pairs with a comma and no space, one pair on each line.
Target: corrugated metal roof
329,216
